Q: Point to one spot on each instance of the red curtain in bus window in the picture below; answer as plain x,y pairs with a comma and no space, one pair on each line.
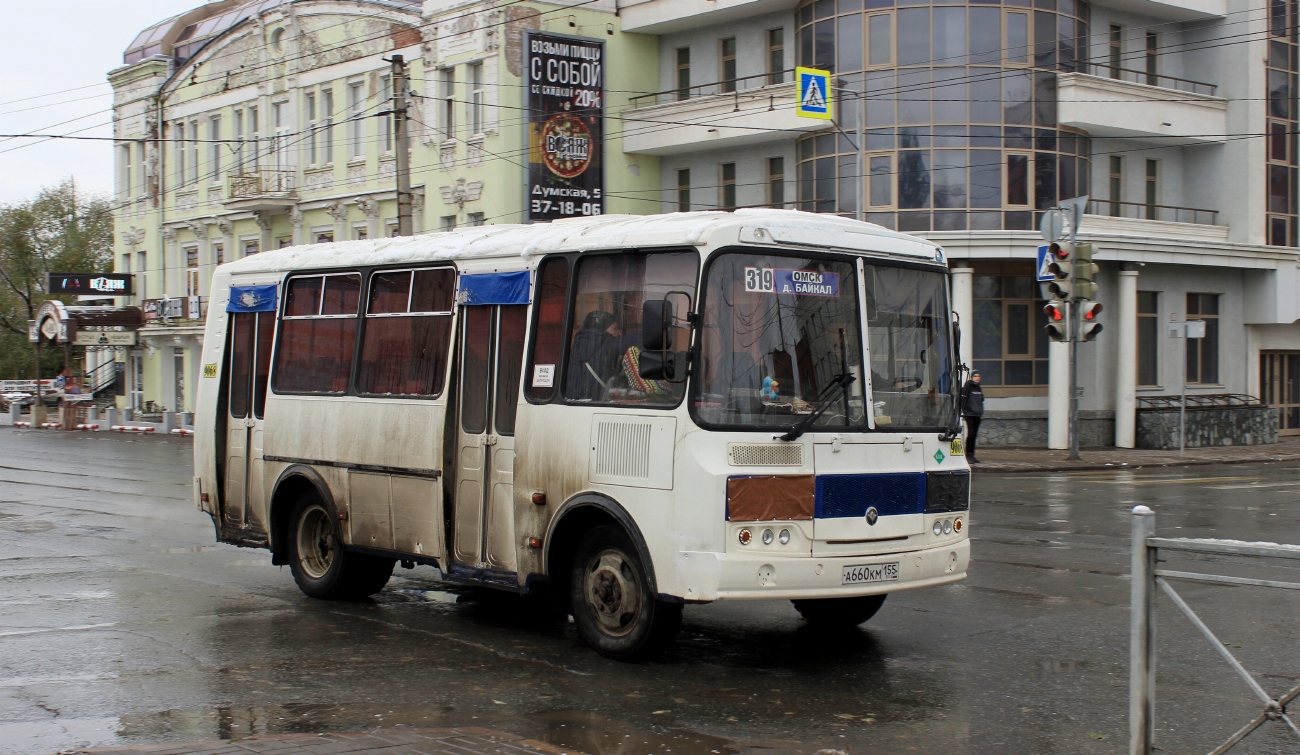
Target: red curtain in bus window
552,292
408,333
510,362
241,356
262,368
315,355
474,401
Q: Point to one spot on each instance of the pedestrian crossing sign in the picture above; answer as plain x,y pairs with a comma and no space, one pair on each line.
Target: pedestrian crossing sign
815,97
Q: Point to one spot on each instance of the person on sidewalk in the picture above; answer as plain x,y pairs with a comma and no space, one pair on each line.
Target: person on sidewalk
972,408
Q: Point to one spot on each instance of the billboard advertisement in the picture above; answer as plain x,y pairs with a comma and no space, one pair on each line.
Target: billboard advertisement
88,284
566,127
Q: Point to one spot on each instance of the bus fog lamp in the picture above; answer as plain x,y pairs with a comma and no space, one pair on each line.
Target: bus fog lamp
784,537
746,536
947,526
767,537
938,528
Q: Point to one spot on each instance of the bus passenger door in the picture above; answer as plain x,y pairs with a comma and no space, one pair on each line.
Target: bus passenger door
250,362
492,345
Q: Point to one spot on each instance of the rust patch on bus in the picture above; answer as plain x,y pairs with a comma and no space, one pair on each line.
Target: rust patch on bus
764,497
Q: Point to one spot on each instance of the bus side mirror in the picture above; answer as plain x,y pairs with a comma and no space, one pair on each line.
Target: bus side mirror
656,319
656,365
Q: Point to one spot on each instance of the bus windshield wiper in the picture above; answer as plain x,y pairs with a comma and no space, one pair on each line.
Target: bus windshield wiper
839,384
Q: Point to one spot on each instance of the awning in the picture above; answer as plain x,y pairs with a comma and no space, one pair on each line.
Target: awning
494,288
57,322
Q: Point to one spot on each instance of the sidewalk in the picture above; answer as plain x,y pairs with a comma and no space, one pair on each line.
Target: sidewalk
1043,460
396,741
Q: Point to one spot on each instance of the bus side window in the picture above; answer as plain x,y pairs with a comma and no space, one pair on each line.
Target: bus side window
552,293
407,332
317,334
262,363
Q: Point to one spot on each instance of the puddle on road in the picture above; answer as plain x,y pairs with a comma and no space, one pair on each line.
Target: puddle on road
24,524
194,549
433,596
583,731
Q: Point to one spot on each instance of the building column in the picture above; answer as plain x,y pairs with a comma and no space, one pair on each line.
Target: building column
339,212
200,230
964,305
1125,355
295,218
370,208
226,228
266,243
1058,395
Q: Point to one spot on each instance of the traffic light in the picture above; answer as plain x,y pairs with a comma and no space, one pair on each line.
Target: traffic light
1058,320
1062,264
1084,270
1089,310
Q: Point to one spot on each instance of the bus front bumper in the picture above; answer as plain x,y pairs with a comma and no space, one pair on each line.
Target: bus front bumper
726,576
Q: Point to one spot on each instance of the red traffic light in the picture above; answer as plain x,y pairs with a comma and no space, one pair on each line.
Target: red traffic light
1059,250
1054,313
1091,310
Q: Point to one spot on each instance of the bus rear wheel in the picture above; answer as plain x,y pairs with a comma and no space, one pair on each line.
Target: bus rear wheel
613,607
842,612
321,566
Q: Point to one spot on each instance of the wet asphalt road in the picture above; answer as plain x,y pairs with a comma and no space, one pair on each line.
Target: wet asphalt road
121,621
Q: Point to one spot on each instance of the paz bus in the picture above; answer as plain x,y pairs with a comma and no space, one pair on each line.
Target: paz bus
631,412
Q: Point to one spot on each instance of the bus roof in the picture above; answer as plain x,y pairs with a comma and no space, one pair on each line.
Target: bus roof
752,227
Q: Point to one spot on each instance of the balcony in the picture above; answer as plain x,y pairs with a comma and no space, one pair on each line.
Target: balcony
1153,220
261,190
1135,104
723,114
670,16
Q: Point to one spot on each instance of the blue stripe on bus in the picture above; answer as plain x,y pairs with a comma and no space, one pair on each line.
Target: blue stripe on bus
482,289
851,495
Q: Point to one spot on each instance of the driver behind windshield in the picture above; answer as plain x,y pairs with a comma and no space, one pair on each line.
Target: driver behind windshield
594,357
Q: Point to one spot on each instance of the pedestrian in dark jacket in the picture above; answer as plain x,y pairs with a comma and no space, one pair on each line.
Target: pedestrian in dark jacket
593,357
972,408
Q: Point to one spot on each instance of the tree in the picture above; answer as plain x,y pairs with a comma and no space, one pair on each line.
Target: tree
60,230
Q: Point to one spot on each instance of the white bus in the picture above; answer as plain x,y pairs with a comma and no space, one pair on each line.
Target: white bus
637,412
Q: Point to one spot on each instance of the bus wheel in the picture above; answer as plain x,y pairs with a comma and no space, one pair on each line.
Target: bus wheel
844,612
611,600
321,566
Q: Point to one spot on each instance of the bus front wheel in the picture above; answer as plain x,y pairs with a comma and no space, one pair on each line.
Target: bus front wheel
613,607
844,612
321,566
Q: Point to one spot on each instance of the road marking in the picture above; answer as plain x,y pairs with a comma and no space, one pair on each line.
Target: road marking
1254,485
79,627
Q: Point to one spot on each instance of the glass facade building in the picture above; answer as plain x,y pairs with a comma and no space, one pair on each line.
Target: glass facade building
959,101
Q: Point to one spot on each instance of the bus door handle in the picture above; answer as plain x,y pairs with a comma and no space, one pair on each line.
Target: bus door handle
489,440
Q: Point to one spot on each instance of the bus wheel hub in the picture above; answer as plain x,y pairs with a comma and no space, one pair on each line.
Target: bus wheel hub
613,591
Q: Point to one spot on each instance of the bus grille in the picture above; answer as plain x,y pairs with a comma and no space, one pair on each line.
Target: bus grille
623,450
765,454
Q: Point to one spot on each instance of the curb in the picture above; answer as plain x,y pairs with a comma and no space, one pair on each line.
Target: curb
1087,467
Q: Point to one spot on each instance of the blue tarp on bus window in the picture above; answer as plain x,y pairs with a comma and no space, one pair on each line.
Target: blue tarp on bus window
494,288
252,298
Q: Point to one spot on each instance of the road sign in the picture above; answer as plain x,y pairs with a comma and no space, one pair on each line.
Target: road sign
1195,328
1074,209
1052,226
1044,275
815,98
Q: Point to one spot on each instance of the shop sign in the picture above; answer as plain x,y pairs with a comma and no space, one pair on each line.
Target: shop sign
89,284
104,338
164,309
566,126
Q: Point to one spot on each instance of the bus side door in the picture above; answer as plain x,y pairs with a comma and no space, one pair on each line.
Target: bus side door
250,336
492,349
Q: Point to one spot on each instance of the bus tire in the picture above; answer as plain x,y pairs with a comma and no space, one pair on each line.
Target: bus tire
843,612
321,566
610,598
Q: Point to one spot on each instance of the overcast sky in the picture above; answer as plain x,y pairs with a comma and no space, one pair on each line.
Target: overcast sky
54,46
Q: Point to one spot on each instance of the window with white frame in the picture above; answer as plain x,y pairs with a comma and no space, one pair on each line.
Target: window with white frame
237,133
477,99
386,122
178,134
191,271
141,173
447,103
326,125
124,170
312,146
194,151
356,126
215,147
254,145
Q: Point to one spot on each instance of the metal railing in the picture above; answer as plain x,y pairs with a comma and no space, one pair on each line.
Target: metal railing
1203,401
1151,79
725,87
1140,211
267,182
1146,576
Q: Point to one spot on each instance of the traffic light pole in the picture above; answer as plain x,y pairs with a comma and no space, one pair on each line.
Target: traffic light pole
1076,334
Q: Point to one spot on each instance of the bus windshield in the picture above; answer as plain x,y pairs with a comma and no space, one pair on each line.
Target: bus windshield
911,360
778,332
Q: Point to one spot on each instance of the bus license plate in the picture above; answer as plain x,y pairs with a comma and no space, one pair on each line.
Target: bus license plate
854,575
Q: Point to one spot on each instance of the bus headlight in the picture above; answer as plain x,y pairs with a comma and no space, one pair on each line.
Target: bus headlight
784,537
947,526
938,528
767,537
746,536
